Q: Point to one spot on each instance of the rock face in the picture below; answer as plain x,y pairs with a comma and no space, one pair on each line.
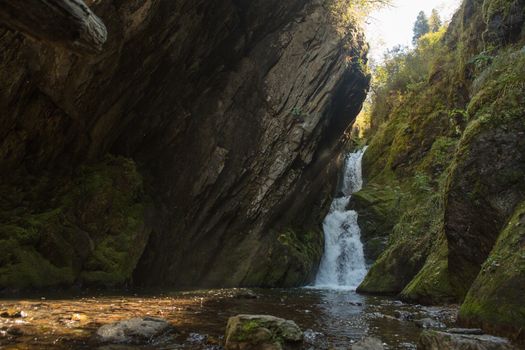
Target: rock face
432,340
450,155
69,23
262,332
136,330
226,118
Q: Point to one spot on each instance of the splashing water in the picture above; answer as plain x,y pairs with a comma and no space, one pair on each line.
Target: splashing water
343,264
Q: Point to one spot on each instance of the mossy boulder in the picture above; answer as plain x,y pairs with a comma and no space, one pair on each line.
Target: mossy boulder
487,178
496,299
85,229
377,207
291,261
395,267
433,282
258,332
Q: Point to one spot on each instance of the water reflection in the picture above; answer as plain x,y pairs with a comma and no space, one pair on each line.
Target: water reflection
342,311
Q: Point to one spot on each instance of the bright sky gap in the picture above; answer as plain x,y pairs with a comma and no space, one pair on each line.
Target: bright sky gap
392,26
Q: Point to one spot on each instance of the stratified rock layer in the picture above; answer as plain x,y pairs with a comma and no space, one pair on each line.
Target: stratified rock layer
232,113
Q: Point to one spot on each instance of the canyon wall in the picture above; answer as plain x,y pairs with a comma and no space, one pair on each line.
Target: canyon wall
198,148
445,174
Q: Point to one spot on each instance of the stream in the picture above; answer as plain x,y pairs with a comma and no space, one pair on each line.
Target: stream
331,319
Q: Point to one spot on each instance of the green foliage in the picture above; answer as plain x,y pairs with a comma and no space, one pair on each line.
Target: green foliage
481,60
434,22
447,129
404,72
347,12
421,27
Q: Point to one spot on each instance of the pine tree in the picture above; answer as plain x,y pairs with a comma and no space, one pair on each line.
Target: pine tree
434,22
420,27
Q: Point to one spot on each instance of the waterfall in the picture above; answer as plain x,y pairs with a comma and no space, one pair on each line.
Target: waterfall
343,262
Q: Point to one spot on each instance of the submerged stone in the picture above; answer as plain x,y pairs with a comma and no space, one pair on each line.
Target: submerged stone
427,323
369,343
13,314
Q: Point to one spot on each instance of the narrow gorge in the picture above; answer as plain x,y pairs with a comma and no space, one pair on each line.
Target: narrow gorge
245,174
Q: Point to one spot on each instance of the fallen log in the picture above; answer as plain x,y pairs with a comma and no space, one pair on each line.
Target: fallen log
67,23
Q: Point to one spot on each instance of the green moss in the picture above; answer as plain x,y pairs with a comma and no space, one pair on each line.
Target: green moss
433,284
395,267
290,263
246,330
496,300
86,229
24,267
492,8
378,208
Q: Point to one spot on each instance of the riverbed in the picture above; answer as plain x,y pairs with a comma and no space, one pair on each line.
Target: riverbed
331,319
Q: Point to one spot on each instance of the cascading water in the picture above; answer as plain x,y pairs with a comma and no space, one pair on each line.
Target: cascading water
343,263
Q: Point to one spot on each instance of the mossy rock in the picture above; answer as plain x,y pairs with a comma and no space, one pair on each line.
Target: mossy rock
496,299
487,176
85,229
292,261
377,207
433,284
262,332
395,268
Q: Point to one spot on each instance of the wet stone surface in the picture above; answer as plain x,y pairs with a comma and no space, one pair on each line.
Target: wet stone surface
330,319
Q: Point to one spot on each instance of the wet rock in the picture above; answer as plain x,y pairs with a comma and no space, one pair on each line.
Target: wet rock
13,314
404,315
135,330
368,344
245,294
434,340
475,331
253,332
196,338
313,340
427,323
81,318
355,303
15,331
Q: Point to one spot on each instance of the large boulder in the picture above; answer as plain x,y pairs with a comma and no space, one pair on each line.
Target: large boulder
135,331
262,332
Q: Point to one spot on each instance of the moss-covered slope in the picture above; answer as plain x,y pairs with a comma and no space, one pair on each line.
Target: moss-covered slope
86,228
449,137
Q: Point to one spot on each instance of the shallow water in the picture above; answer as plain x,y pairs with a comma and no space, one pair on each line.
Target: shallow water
335,318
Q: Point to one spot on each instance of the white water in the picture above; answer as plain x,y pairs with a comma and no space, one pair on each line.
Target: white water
343,263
